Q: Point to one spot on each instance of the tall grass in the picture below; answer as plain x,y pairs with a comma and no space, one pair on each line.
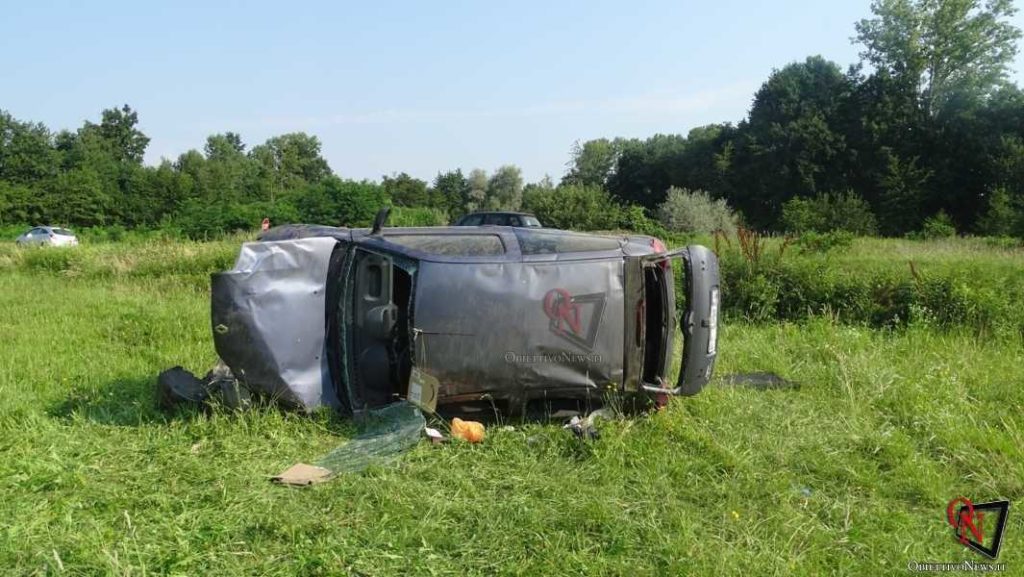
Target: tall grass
848,473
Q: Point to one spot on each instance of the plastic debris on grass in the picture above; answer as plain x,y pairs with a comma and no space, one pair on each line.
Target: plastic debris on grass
385,434
471,431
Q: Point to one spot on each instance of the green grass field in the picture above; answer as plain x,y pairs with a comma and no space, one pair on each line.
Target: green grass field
849,474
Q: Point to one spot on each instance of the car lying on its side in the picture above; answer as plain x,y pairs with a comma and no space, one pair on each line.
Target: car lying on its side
47,236
494,316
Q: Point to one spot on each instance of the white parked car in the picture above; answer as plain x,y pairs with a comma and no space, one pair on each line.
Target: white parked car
48,236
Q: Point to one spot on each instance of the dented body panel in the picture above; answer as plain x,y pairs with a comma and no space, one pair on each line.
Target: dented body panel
267,315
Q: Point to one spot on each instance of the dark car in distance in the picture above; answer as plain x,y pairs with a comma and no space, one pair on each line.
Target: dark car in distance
496,316
499,218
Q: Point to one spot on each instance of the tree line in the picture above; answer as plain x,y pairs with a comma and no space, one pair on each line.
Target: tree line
926,127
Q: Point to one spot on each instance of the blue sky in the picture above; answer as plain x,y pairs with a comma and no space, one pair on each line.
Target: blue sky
402,86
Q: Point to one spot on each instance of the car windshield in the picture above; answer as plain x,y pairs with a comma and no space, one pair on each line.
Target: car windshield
63,232
531,221
548,242
451,244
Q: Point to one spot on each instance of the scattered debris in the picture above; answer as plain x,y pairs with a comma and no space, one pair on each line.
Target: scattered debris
471,431
301,475
384,434
176,386
584,428
434,435
760,381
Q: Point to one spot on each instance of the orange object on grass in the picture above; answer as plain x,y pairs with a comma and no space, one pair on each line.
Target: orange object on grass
471,431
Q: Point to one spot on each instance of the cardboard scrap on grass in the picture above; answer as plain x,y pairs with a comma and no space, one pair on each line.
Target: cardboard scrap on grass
302,475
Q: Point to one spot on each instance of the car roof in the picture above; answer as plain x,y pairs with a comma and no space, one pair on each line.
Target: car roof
628,244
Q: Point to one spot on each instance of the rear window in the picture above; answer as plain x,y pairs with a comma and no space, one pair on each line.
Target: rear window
501,220
451,244
538,242
63,232
531,221
471,220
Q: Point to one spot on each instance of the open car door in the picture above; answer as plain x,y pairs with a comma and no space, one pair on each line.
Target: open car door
651,319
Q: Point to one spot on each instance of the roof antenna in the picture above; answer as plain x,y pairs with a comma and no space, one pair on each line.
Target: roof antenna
382,217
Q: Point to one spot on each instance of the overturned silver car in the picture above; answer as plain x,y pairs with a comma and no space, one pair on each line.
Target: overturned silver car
490,316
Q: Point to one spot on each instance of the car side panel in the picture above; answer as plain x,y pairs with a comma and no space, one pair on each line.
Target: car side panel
521,330
269,322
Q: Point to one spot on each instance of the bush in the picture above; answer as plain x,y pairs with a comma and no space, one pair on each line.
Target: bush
574,207
816,242
1002,217
829,212
634,218
801,215
201,220
695,212
794,289
935,227
407,216
337,202
1004,242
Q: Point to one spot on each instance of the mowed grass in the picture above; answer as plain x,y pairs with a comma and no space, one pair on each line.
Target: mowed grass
848,474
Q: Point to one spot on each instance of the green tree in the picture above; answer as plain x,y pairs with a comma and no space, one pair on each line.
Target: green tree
646,169
405,190
477,195
228,174
505,188
793,142
592,162
903,190
287,163
224,147
1003,216
950,48
27,154
451,192
78,197
337,202
118,130
573,207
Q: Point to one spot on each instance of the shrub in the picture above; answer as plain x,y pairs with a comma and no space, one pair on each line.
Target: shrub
634,218
1004,242
800,215
201,220
1002,217
52,260
938,226
829,212
338,202
818,242
695,212
421,216
574,207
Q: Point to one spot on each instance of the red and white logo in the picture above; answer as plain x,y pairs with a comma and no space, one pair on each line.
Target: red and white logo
575,318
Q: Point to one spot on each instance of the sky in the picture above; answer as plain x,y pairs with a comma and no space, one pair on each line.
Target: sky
420,87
